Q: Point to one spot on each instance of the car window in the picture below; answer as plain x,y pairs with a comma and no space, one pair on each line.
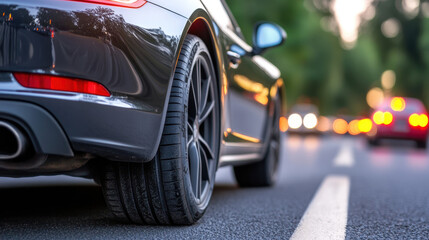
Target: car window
415,107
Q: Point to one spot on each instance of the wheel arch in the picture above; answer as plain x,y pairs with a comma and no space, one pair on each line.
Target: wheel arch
200,25
276,90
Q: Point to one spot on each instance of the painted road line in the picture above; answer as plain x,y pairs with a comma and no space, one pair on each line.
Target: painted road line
326,216
345,156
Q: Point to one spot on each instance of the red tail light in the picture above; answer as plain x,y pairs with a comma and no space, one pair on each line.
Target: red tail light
121,3
380,118
424,120
417,120
61,84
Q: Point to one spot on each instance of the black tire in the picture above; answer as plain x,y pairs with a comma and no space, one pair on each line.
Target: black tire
374,142
263,173
422,144
176,186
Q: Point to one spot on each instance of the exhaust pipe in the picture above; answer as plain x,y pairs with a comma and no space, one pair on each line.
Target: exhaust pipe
13,143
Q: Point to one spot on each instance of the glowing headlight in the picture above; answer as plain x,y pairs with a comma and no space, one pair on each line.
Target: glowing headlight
295,121
310,121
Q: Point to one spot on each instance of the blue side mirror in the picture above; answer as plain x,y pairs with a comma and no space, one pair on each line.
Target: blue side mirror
267,35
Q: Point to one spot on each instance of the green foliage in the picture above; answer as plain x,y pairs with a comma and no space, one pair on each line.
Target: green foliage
315,65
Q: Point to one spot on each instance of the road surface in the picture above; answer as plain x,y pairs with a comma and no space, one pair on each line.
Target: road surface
330,187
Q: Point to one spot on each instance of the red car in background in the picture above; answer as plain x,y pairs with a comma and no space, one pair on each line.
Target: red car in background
400,118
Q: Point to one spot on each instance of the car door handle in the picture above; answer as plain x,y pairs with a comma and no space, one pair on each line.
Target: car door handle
234,58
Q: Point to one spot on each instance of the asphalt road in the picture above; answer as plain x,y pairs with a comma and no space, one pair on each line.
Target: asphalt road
329,188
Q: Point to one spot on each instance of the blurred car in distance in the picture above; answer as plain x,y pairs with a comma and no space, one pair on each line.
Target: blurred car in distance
400,118
303,119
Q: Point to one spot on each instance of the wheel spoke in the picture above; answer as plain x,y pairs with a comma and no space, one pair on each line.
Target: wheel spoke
200,179
196,81
205,166
201,107
274,144
206,147
193,103
206,112
190,128
190,134
205,91
195,169
190,140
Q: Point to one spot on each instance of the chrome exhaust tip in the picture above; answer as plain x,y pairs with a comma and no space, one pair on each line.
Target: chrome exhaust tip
13,143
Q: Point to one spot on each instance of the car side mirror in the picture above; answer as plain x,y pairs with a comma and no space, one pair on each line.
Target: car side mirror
267,35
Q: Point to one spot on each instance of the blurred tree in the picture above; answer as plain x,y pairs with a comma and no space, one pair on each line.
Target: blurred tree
317,64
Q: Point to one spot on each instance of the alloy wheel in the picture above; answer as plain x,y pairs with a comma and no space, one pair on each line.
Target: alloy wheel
202,129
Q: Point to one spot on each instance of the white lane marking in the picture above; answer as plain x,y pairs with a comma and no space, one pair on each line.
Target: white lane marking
326,216
344,157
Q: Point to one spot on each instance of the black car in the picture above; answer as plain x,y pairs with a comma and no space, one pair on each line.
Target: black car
148,98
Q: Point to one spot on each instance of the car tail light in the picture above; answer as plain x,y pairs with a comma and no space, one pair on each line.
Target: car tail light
378,117
385,118
365,125
57,83
417,120
424,120
397,104
122,3
388,118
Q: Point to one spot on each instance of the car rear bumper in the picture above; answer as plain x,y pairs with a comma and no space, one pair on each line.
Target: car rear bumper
103,126
132,52
411,134
303,130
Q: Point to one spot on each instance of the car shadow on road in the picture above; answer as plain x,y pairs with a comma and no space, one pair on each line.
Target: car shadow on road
65,204
52,201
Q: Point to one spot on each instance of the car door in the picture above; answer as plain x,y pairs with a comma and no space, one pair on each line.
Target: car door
249,82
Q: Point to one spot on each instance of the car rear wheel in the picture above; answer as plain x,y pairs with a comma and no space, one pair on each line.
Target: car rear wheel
176,186
422,144
263,173
374,142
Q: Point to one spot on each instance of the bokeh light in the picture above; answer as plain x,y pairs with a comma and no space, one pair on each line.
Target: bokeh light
324,124
385,118
410,8
353,128
423,120
340,126
378,117
375,97
295,121
348,15
310,121
397,104
365,125
416,120
388,118
283,124
388,79
390,28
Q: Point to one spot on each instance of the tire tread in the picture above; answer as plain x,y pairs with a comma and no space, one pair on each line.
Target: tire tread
152,193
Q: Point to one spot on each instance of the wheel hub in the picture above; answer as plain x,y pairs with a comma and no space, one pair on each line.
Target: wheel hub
196,131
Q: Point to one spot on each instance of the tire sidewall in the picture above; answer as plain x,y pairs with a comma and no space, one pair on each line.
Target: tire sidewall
198,208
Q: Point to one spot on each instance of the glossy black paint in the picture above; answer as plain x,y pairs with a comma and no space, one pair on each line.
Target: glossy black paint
102,44
133,53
